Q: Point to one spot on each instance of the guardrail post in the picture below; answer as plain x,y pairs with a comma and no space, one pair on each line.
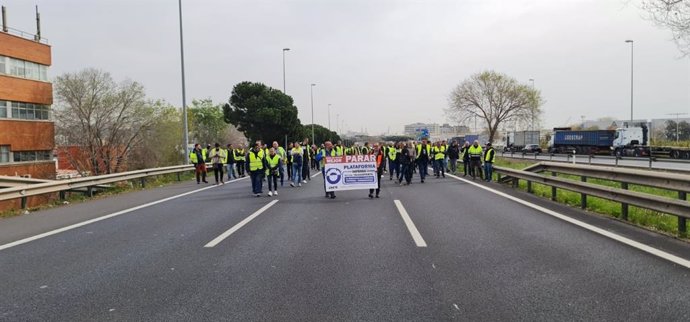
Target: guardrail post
682,225
178,177
650,161
624,206
553,189
516,182
62,195
143,182
590,159
89,192
498,176
551,157
583,197
617,161
24,202
529,186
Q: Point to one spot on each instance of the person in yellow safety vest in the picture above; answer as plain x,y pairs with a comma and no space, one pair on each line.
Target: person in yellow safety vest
423,158
307,155
339,148
328,151
393,162
475,152
198,157
296,157
274,163
218,158
439,153
489,158
239,155
280,151
256,159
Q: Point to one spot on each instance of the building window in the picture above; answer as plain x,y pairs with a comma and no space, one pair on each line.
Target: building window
3,109
29,111
24,69
4,153
29,156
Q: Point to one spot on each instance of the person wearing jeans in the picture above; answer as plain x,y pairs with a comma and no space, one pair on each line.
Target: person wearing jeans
489,158
296,156
231,163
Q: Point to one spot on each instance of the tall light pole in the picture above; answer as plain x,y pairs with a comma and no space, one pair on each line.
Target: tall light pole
184,95
284,50
337,123
313,139
677,128
631,78
329,117
531,126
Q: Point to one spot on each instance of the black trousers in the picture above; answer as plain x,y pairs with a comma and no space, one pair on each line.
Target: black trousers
218,172
378,177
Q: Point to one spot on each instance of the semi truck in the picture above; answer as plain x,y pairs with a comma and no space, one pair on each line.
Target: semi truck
517,140
621,142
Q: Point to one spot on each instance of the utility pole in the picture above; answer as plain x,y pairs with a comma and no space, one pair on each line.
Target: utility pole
184,95
284,50
313,140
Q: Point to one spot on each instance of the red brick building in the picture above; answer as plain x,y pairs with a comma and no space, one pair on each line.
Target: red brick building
27,132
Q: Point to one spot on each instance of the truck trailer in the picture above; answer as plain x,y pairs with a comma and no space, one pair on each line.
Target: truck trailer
581,142
517,140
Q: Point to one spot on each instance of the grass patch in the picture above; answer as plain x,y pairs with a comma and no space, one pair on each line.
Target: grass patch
115,189
653,220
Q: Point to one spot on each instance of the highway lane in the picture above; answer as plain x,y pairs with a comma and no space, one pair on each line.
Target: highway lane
352,258
661,164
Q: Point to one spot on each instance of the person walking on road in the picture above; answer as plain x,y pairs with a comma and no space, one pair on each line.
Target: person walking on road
239,155
255,163
380,159
296,154
475,152
306,161
328,151
394,160
453,155
280,151
218,158
231,162
489,158
465,154
407,158
274,162
423,155
439,155
198,158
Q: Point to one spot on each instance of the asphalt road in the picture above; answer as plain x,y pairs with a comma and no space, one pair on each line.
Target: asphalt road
309,258
660,163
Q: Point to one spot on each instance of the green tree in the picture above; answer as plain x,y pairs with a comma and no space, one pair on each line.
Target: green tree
262,112
673,15
206,122
163,143
494,98
321,134
681,129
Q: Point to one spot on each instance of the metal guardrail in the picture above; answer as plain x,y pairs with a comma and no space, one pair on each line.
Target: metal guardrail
60,186
577,157
678,207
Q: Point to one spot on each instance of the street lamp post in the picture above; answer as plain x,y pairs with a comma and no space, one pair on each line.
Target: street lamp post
184,96
329,117
531,126
631,78
313,139
284,50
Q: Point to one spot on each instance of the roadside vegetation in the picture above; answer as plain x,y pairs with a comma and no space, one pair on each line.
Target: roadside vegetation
115,189
649,219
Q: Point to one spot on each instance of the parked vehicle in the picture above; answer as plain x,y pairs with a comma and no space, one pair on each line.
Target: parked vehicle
581,142
518,140
532,148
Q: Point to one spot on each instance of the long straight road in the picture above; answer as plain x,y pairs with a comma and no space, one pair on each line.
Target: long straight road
221,254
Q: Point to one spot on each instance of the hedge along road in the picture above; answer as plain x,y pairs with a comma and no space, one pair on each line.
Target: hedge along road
305,257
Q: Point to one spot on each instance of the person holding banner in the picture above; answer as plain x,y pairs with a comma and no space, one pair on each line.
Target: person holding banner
327,151
379,153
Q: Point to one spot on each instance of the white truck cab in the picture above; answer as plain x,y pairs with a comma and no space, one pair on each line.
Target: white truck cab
629,136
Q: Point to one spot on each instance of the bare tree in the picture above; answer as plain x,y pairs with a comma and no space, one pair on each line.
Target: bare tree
104,118
673,15
494,98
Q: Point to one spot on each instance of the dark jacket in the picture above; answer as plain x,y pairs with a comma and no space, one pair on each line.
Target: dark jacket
466,155
453,152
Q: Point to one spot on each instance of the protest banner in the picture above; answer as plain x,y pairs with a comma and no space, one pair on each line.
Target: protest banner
350,172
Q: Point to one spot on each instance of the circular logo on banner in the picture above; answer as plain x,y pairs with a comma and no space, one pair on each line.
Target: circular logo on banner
333,176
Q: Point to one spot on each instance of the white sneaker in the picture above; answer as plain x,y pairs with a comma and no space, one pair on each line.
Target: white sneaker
275,193
299,185
304,181
292,184
270,194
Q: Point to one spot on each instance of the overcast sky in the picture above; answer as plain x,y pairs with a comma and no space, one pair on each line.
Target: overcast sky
381,64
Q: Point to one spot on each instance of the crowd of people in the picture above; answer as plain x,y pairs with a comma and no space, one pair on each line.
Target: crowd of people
400,160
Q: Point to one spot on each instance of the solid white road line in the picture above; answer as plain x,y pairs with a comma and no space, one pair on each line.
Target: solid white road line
241,224
316,174
645,248
410,225
91,221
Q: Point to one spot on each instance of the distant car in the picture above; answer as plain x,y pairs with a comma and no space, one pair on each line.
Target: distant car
532,148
